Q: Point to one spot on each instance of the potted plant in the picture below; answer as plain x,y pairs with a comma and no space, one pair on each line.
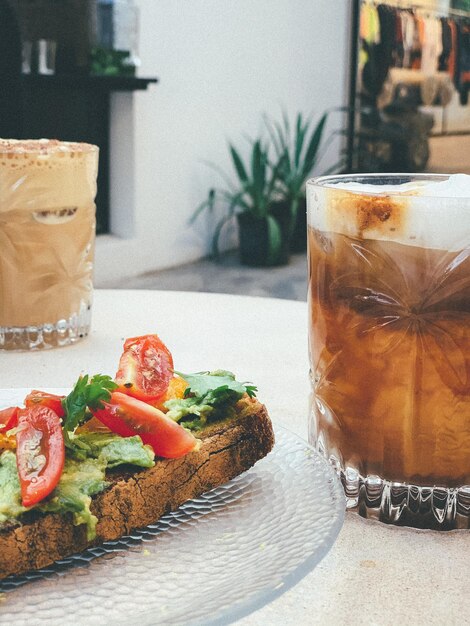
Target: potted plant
264,226
297,154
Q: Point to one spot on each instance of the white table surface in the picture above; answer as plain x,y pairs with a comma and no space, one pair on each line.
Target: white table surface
374,574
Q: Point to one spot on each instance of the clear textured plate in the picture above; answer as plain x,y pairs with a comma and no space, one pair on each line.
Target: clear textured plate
214,560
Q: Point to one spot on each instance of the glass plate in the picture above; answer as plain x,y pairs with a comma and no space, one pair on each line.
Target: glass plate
217,558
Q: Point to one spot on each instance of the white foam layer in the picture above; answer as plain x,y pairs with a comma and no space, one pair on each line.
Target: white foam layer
455,186
46,175
420,213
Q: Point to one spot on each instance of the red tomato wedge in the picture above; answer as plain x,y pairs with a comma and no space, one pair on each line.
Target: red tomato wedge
8,418
43,398
128,416
145,368
40,452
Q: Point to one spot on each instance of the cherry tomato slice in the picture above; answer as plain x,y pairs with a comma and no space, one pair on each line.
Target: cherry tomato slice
40,452
43,398
8,418
145,368
128,416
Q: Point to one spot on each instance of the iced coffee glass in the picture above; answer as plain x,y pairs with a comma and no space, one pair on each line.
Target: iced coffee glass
47,231
389,339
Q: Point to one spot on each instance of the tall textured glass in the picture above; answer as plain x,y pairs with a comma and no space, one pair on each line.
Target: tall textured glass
47,232
389,316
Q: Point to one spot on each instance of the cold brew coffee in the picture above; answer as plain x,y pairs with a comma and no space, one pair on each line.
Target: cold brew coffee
389,298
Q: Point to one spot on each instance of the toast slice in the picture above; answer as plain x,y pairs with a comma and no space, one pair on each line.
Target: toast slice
135,499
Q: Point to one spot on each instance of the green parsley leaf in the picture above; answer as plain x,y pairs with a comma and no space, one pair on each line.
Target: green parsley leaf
88,394
219,384
251,390
209,397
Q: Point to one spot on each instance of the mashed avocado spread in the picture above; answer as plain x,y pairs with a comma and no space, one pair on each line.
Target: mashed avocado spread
80,479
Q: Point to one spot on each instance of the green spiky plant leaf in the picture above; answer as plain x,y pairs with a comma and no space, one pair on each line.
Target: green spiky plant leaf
274,239
298,151
265,186
254,193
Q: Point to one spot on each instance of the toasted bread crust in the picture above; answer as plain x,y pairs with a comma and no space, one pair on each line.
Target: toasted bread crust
138,498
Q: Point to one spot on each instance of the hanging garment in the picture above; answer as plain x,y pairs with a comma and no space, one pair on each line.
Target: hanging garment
387,29
380,55
446,45
432,45
452,63
408,33
398,53
418,42
464,90
369,31
369,27
463,61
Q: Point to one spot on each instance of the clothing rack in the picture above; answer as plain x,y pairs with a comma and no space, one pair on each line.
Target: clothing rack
354,53
429,11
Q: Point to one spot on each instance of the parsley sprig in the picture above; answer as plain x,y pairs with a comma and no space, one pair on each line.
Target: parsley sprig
209,395
217,386
87,395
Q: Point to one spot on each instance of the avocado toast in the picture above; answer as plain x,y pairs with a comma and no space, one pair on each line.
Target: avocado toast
112,483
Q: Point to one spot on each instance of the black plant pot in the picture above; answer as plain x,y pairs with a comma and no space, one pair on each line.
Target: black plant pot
298,242
253,239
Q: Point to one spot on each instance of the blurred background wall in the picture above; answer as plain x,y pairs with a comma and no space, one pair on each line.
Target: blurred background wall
221,65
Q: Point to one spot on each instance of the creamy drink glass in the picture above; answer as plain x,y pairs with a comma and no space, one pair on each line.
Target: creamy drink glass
389,317
47,231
